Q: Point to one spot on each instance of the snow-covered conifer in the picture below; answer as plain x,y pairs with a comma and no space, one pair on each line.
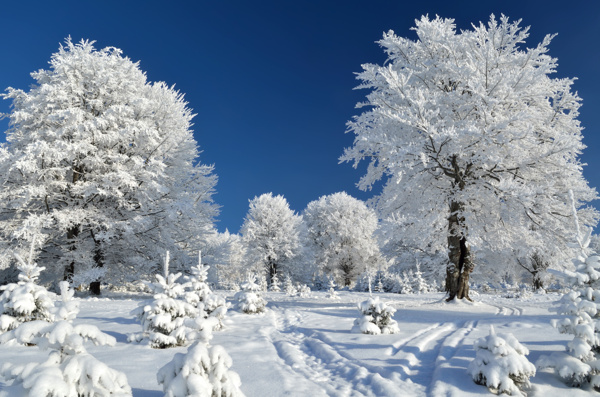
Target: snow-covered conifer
101,162
376,318
202,371
288,286
332,293
25,300
271,234
466,155
275,283
164,317
202,297
249,299
340,233
69,370
581,308
501,365
419,284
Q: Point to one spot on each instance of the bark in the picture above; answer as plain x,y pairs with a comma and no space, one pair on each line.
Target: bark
99,260
72,234
460,263
272,270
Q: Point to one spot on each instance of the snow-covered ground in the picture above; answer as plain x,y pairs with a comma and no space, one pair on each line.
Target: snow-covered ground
304,347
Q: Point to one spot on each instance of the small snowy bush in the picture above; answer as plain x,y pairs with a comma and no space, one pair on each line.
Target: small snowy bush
275,283
501,365
69,370
332,293
304,291
25,300
163,318
288,286
376,318
199,294
249,300
202,371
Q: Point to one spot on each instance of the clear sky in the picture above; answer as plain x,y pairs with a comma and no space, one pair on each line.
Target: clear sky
272,82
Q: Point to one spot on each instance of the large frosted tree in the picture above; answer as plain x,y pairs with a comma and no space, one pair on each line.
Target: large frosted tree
340,234
271,235
103,165
477,143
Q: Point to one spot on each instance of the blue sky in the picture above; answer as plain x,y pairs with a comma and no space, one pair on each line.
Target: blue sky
272,82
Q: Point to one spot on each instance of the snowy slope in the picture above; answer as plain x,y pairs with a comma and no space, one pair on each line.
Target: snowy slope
303,346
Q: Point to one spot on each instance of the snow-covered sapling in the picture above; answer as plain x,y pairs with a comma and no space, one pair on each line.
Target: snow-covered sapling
163,318
202,371
201,296
275,283
579,364
332,293
376,318
249,300
501,365
69,371
304,291
288,286
25,300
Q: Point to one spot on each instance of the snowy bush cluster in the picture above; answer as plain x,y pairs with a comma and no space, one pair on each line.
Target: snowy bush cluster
407,282
376,318
179,313
69,370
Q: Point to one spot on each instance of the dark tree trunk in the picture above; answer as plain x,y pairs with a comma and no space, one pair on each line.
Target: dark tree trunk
72,234
99,260
460,263
272,271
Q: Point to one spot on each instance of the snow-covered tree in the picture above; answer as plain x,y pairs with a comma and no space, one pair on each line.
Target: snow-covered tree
275,283
476,143
164,317
199,294
202,371
580,364
332,293
376,317
249,299
69,370
340,233
104,165
289,287
25,300
271,234
501,365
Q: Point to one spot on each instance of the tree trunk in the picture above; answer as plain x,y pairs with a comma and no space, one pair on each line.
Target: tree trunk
460,263
99,259
272,271
72,233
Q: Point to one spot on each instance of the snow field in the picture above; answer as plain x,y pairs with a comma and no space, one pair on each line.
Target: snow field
304,347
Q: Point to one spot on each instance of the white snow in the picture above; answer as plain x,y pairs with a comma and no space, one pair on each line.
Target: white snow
304,346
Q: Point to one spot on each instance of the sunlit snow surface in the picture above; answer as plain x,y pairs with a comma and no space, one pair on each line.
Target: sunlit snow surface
304,347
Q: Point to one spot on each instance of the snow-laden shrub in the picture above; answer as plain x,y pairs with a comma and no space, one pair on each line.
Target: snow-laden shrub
69,371
163,318
202,371
332,293
249,299
275,283
501,365
199,294
25,300
376,318
304,291
581,306
288,286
